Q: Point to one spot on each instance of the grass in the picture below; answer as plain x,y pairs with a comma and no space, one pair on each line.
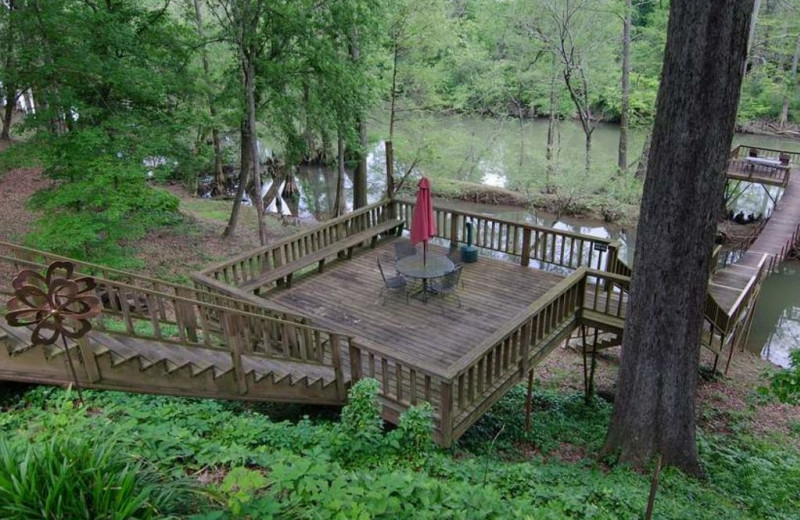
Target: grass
220,211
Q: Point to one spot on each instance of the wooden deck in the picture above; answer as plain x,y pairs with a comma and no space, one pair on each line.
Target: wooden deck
433,334
265,326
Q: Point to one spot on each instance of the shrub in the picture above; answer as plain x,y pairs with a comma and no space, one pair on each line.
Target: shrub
72,479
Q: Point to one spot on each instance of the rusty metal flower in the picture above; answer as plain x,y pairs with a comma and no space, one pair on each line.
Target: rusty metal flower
55,304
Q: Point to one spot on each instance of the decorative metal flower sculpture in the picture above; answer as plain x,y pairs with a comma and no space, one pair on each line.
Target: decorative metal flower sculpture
56,305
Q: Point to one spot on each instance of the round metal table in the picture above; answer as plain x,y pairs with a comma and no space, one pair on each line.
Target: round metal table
433,266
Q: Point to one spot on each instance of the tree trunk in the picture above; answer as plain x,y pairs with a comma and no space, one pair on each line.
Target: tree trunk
360,172
392,118
751,34
338,204
622,155
588,164
790,87
641,168
695,117
244,173
8,112
258,198
219,175
389,168
551,129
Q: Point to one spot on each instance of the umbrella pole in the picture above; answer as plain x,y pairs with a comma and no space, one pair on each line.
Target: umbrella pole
424,253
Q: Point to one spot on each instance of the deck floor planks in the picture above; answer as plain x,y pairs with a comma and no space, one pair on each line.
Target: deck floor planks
346,298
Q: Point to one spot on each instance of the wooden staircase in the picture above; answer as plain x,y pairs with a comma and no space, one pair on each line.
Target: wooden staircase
117,362
156,337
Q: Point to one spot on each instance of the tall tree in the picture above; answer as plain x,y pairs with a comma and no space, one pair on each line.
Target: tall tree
625,91
219,176
695,116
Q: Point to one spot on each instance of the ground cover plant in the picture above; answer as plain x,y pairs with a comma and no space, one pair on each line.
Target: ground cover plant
206,460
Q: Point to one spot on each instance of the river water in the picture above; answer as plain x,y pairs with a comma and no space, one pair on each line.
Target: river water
505,153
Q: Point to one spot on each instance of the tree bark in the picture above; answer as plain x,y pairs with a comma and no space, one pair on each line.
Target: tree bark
8,112
792,83
219,175
751,34
389,144
622,155
552,121
338,204
695,117
244,173
641,168
258,199
360,172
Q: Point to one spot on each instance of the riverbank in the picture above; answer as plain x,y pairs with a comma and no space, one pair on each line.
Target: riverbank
572,204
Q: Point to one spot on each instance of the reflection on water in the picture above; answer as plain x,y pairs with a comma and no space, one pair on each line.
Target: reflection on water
776,324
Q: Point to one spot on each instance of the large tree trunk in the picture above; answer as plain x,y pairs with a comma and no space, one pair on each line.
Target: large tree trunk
338,203
219,175
790,87
751,34
695,116
360,172
258,198
245,162
8,111
622,154
641,168
552,123
392,118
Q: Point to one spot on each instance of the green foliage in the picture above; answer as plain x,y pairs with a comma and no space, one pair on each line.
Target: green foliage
785,384
64,478
261,468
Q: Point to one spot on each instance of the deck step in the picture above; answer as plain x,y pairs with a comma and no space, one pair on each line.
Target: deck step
288,372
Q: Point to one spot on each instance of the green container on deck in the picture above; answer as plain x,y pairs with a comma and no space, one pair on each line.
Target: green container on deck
469,253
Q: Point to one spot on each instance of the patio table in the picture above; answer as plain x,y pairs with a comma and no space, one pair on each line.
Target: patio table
433,266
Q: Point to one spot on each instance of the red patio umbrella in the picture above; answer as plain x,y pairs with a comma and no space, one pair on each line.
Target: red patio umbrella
423,223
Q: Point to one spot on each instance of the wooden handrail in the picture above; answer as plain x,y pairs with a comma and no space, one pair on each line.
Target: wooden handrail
527,241
208,271
444,206
523,316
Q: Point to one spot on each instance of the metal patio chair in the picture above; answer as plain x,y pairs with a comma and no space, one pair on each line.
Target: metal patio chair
392,285
447,285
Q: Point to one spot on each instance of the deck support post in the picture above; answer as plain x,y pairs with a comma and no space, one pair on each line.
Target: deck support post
525,261
529,402
446,415
453,231
588,365
336,359
89,360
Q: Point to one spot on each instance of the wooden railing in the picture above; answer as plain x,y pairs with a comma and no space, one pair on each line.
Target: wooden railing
743,150
403,382
481,377
527,241
251,265
147,314
606,293
15,257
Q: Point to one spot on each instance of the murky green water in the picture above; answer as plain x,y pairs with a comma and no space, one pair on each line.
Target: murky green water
776,324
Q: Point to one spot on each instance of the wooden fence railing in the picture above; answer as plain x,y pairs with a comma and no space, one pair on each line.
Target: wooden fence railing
742,150
15,257
253,264
527,241
148,314
481,377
